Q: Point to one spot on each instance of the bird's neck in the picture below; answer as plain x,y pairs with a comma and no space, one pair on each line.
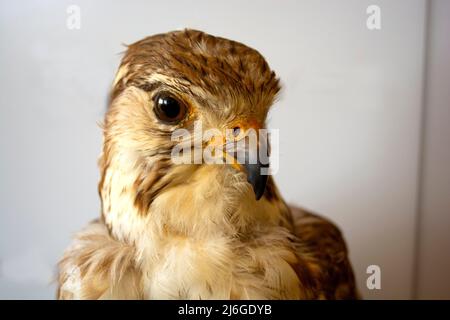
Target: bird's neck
148,204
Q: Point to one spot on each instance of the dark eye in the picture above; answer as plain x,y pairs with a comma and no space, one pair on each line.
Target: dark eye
169,109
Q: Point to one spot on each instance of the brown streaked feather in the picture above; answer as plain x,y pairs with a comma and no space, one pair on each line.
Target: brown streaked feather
146,186
220,66
322,249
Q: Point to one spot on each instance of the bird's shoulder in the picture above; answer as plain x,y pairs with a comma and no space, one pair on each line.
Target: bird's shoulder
323,252
97,266
318,232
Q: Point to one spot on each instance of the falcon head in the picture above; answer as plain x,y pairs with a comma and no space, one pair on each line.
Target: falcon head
168,83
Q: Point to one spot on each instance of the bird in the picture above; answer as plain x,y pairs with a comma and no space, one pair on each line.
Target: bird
196,230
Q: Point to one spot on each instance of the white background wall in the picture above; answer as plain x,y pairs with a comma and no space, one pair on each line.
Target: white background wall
349,118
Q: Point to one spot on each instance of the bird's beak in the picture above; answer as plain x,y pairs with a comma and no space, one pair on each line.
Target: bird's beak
252,158
256,179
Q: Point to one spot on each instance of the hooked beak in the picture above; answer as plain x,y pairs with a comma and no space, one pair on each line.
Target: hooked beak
256,179
255,162
249,152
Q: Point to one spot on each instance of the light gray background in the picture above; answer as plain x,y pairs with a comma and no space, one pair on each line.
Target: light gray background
364,124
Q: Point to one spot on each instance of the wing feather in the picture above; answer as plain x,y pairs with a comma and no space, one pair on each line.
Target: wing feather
323,257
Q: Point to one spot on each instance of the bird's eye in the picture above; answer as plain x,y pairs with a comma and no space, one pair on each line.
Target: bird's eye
169,109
